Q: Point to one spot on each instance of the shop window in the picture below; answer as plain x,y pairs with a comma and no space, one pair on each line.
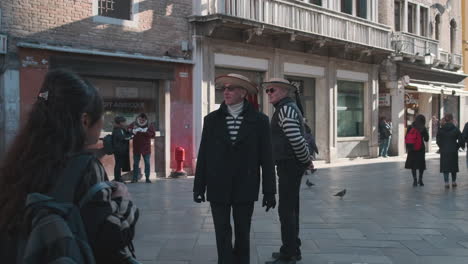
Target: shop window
347,6
423,21
306,88
398,17
437,27
120,9
412,18
452,106
361,8
350,109
254,76
128,98
435,116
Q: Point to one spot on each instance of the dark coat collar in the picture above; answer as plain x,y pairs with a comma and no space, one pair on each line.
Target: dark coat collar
248,123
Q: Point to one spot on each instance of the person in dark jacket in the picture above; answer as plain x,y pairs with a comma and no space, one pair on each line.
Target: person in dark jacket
292,158
65,121
385,134
143,133
416,159
120,139
449,140
465,139
235,144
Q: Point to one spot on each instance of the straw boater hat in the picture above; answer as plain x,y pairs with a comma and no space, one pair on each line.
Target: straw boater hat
279,82
236,80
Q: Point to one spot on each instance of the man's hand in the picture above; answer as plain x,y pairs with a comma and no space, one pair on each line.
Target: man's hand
198,197
269,201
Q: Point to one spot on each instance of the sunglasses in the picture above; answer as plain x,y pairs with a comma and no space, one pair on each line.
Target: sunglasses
229,88
270,90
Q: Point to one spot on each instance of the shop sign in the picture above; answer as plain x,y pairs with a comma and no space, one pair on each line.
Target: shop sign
126,92
384,99
123,106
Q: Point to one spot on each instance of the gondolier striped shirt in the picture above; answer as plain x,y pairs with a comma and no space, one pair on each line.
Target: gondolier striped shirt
288,121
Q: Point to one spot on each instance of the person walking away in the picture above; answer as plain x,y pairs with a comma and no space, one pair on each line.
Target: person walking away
416,135
449,139
143,133
62,125
120,143
385,132
292,158
235,145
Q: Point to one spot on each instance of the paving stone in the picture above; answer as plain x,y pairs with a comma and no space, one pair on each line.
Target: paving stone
381,220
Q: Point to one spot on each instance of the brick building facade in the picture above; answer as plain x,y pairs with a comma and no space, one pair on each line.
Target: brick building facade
137,52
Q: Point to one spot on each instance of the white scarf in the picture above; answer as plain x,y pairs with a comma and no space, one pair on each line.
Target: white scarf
236,109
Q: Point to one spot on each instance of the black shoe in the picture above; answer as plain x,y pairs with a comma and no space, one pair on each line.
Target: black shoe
415,183
148,180
421,183
277,255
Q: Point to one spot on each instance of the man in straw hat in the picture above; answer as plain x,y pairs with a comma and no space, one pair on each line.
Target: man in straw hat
235,143
292,158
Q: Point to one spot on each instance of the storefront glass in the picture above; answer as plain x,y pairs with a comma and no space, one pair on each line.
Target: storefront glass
307,96
350,109
127,98
452,106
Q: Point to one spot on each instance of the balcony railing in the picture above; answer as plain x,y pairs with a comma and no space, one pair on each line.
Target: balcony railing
444,57
306,18
456,60
415,45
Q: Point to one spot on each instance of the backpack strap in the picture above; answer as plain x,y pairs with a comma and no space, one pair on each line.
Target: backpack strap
92,191
64,189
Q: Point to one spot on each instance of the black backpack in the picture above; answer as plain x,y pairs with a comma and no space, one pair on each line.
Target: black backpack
57,234
108,143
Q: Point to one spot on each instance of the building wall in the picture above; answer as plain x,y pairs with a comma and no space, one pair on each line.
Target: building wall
159,26
386,16
465,38
325,70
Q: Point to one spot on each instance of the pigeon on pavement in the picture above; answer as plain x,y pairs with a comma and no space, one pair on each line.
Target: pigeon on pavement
341,193
309,184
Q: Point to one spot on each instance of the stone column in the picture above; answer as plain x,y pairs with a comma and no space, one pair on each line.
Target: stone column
332,114
425,108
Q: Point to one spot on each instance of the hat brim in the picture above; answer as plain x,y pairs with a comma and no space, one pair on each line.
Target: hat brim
279,84
224,79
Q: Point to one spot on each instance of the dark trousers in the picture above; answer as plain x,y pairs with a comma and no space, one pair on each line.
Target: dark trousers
118,167
289,182
242,214
136,165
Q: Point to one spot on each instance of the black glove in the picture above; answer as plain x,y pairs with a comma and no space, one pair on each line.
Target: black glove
269,201
198,197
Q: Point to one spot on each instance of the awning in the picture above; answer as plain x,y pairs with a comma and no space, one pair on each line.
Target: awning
436,88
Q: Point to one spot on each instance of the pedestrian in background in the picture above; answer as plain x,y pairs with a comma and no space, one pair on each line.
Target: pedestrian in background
142,132
385,132
449,140
416,157
120,143
292,158
235,144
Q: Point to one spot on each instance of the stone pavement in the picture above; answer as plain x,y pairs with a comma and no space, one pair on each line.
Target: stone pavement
382,219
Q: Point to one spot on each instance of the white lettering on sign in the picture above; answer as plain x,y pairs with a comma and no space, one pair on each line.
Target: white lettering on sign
183,74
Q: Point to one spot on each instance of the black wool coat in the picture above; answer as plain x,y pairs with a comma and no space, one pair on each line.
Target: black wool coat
449,140
230,172
417,159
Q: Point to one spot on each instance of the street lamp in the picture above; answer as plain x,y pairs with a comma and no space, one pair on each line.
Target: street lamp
429,58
